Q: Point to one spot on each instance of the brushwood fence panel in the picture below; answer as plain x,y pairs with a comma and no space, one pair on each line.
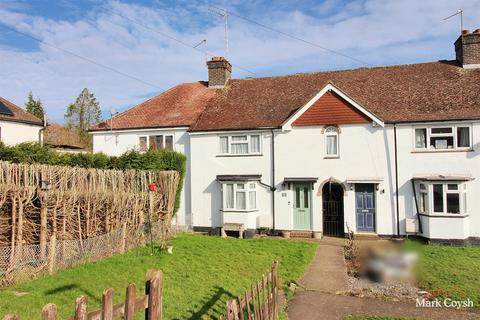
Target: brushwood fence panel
86,213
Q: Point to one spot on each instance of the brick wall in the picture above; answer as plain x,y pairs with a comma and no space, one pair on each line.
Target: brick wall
219,72
467,47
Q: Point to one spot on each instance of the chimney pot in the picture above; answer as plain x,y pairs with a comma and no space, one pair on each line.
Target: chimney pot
467,49
219,72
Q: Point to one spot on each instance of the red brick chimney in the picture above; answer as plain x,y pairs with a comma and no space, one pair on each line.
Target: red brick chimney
219,72
467,49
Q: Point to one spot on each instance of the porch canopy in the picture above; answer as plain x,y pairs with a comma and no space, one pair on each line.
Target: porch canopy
442,177
374,180
300,179
239,177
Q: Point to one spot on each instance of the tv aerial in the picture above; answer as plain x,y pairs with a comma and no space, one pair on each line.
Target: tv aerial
459,12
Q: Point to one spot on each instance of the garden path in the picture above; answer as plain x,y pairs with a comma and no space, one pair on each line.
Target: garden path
320,298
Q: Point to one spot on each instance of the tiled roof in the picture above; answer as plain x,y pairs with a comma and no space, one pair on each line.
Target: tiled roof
178,107
406,93
56,135
19,115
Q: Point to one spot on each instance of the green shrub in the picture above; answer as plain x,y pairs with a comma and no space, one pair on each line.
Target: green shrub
152,160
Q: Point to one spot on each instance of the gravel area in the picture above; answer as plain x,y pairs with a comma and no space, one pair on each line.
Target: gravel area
399,291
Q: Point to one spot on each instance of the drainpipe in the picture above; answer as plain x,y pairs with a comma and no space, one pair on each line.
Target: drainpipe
272,187
41,131
396,178
420,229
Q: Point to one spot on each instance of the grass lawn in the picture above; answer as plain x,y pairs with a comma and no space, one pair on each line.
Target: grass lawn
201,275
444,267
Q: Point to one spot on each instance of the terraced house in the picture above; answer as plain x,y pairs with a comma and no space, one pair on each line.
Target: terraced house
381,151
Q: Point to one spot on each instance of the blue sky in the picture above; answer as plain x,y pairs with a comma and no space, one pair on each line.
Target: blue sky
131,37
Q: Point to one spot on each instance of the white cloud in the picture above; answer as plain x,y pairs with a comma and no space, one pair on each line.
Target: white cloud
380,32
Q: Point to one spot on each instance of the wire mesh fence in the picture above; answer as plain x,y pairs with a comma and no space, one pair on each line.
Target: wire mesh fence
23,262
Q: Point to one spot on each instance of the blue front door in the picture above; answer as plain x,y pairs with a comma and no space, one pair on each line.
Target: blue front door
365,206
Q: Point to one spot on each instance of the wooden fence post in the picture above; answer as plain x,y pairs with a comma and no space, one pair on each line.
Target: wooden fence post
81,308
43,223
130,302
107,304
247,304
52,253
153,288
49,312
124,238
275,291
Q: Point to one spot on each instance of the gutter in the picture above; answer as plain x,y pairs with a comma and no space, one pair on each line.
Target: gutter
396,178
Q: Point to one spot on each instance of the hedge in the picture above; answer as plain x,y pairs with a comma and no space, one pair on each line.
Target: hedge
150,160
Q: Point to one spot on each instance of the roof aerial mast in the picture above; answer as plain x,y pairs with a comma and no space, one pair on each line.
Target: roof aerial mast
224,14
459,12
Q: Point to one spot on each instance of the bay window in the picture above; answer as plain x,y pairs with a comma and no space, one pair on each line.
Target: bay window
442,197
240,144
239,196
442,138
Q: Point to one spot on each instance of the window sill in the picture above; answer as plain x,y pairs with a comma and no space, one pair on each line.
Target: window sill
238,211
442,150
445,215
239,155
331,157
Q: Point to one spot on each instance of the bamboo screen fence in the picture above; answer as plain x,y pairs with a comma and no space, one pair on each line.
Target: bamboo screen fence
76,207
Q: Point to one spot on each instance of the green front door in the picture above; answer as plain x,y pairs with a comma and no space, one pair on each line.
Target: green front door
302,206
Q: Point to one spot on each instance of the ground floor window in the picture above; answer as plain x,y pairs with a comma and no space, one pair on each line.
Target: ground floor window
155,142
442,197
239,196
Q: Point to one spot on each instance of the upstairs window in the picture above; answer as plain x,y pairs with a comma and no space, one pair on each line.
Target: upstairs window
240,144
443,138
155,142
331,142
241,196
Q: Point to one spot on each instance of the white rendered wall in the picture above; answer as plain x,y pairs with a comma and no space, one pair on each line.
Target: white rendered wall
366,151
362,154
206,190
449,163
15,132
118,142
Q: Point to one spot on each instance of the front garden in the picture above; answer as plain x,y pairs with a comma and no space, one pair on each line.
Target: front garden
200,276
445,268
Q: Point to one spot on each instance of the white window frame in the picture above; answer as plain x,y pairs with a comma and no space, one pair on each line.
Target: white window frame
461,191
454,134
250,186
332,131
154,135
146,145
248,141
424,192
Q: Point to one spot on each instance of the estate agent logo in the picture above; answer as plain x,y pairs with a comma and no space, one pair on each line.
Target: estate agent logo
444,298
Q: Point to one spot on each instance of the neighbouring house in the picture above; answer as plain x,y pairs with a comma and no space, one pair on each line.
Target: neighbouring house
17,125
64,139
385,151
